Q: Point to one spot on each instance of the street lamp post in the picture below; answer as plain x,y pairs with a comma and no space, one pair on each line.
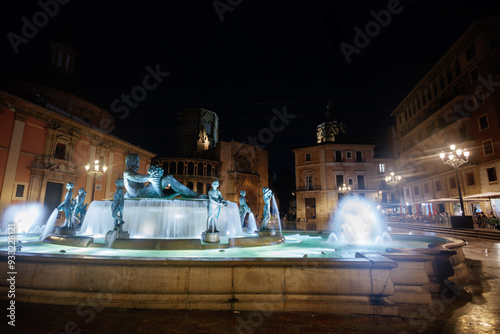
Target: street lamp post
456,158
96,172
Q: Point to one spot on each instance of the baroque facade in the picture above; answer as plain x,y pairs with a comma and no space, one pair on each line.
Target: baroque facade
49,134
456,102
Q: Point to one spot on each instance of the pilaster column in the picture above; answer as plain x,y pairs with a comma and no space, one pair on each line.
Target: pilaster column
12,159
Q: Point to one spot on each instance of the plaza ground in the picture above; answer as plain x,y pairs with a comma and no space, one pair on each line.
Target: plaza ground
475,308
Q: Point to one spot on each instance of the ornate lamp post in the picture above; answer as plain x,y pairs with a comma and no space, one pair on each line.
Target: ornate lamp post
456,158
96,172
392,179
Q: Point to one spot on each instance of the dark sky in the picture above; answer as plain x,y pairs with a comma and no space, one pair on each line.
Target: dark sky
262,55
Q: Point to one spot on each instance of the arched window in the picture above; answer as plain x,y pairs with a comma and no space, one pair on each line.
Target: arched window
180,168
209,186
209,170
199,188
190,168
173,169
200,169
190,185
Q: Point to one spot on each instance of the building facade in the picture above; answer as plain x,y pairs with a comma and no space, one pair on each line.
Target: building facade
333,163
204,159
48,135
456,102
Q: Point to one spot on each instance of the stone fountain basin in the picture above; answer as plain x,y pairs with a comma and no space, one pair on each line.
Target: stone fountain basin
393,282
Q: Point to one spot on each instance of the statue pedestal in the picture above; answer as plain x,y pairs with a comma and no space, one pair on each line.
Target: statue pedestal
119,235
267,233
210,237
65,231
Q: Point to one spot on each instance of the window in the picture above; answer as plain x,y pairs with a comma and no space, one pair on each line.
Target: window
399,119
463,133
348,155
340,180
66,67
338,156
442,84
470,179
359,156
60,152
470,53
435,89
407,192
361,181
457,68
487,147
309,182
453,182
416,191
350,182
492,174
308,156
474,74
449,76
483,122
381,168
478,98
438,185
426,188
19,192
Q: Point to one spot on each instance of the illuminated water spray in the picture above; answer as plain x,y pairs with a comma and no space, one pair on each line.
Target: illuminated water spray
357,221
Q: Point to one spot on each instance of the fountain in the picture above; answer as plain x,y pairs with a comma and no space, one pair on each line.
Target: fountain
358,222
305,273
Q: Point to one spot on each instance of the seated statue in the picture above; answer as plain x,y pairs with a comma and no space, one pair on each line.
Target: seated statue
134,182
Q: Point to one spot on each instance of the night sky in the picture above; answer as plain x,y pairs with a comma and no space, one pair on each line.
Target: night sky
261,56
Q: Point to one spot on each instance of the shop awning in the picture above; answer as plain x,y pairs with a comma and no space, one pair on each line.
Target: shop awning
443,200
485,196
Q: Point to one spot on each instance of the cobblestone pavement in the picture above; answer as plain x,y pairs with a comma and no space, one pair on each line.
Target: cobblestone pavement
475,309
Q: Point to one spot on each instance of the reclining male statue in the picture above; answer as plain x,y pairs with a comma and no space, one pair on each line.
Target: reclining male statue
134,182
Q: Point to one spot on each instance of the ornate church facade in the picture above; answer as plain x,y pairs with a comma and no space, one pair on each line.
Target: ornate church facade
201,159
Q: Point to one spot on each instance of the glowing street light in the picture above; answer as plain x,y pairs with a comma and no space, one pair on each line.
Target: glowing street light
344,189
392,179
456,158
96,172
